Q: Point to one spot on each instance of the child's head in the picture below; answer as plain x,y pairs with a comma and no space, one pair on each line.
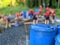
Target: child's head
17,14
21,13
41,6
47,9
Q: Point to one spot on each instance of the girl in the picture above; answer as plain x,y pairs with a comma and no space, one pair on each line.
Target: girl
47,16
17,17
6,21
53,15
40,9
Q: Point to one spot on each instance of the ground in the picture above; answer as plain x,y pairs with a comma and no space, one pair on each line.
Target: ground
14,36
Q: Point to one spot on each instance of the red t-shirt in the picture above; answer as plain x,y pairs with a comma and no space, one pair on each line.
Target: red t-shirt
40,9
36,13
47,13
47,9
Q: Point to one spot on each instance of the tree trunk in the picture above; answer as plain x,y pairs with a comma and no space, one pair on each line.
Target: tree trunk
58,3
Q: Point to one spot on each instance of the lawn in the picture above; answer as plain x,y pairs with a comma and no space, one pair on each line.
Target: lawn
13,10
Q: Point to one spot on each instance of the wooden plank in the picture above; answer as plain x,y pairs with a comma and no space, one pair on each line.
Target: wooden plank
28,22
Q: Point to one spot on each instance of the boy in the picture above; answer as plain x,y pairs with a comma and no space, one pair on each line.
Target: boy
35,18
31,13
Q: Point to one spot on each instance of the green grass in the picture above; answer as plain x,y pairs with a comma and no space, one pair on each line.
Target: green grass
13,10
58,12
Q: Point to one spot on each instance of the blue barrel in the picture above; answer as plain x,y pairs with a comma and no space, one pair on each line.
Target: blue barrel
42,36
58,27
43,25
57,42
25,14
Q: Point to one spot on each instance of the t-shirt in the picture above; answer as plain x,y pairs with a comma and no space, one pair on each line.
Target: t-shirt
36,13
47,9
40,9
47,13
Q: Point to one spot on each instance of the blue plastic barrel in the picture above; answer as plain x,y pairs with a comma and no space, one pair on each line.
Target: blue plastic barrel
57,42
58,27
42,36
25,14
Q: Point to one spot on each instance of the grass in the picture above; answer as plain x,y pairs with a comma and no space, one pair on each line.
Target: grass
58,12
13,10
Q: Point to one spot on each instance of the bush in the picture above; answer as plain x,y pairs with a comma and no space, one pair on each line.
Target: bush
58,12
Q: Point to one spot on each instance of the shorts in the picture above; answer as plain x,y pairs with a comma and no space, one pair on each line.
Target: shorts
47,17
53,17
34,18
8,20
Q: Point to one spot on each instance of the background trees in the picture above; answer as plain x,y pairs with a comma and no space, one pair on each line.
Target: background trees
31,3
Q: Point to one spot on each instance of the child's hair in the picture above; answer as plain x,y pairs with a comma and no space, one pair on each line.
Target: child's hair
21,13
0,17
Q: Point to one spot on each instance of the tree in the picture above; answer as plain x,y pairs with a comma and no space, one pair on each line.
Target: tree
58,3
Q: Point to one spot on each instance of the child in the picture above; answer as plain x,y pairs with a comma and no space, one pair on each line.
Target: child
40,9
47,16
17,17
53,15
21,15
6,21
0,19
35,18
31,13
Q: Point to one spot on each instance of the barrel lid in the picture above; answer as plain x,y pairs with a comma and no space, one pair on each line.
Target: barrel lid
58,38
42,25
39,28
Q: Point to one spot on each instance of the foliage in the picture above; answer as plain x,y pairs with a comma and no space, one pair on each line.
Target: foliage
4,3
